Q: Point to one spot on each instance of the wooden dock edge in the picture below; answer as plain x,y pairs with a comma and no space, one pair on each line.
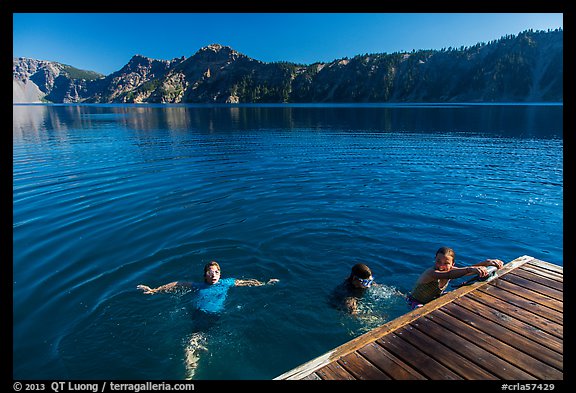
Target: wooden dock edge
350,346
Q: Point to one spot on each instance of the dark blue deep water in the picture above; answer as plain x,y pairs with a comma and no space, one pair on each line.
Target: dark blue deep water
109,197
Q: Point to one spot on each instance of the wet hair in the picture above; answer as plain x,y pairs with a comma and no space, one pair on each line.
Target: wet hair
209,265
360,270
447,251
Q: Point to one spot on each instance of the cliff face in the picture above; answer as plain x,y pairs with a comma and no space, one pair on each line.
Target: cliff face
40,80
526,67
134,83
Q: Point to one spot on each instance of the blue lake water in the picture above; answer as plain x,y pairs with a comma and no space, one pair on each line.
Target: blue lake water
106,197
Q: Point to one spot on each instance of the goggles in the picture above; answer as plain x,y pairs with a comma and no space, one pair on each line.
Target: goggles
366,282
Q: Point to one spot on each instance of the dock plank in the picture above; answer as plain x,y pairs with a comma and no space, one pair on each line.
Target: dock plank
516,346
534,286
313,377
512,359
423,363
546,265
444,354
527,298
540,278
397,369
517,319
361,368
444,328
334,371
544,272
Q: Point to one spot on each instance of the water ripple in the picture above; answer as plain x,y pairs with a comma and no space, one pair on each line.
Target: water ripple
106,198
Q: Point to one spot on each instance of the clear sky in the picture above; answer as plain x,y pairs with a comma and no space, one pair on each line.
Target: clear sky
105,42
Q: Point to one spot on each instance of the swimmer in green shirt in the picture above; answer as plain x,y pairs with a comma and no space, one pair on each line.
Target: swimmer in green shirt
433,281
210,297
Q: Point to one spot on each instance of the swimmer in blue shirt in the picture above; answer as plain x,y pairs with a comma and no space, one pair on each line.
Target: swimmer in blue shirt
212,292
211,295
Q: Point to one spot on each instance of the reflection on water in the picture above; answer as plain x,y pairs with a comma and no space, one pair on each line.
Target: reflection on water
526,121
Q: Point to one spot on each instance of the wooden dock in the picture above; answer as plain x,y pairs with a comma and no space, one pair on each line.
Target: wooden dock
508,328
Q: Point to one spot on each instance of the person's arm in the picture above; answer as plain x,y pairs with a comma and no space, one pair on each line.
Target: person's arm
491,262
351,304
457,272
253,282
164,288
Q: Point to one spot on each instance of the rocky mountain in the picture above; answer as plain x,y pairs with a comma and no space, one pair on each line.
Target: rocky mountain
133,83
40,80
523,67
